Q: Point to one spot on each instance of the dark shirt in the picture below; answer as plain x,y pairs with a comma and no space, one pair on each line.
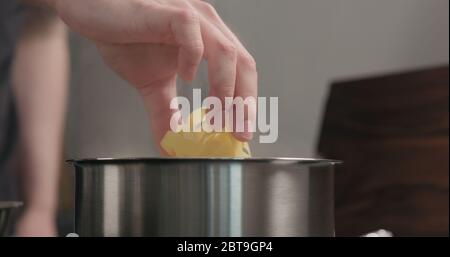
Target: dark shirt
9,23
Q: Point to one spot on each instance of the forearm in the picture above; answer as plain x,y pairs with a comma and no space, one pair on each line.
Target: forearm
39,81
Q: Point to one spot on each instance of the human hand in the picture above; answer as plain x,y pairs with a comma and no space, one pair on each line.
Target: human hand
149,42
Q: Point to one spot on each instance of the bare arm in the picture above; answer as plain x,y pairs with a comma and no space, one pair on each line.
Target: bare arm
39,78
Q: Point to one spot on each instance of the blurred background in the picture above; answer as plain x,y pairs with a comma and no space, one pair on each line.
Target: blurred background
302,47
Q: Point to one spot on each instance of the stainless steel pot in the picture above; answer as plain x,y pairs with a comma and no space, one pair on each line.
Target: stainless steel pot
204,197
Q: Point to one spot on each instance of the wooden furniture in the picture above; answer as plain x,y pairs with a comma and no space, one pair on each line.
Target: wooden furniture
392,134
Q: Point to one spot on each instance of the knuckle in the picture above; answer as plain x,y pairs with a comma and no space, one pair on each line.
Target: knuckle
195,51
248,61
209,10
223,87
196,48
188,17
227,49
224,91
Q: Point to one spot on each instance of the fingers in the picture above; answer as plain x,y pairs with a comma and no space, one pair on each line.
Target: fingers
221,55
198,31
157,98
170,24
246,86
246,81
185,26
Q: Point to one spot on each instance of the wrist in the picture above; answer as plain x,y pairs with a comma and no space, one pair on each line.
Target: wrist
41,210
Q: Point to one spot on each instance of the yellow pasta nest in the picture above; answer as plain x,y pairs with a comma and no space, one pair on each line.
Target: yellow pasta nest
203,144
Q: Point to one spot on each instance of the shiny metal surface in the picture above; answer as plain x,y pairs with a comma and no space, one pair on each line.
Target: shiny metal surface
204,197
6,209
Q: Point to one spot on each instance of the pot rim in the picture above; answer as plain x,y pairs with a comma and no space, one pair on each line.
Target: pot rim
275,160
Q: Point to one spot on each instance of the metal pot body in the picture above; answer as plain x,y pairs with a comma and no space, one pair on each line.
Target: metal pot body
204,197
